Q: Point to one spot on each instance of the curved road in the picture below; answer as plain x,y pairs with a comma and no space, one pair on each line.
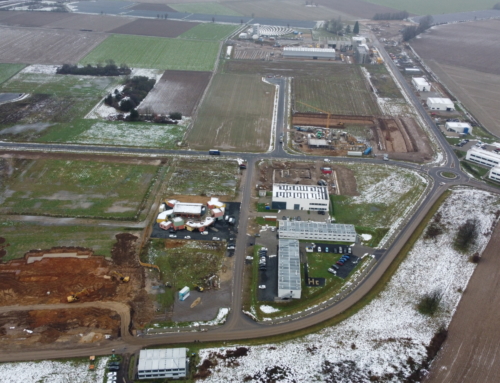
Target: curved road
238,326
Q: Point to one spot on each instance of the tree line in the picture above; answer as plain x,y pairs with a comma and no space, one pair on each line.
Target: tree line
412,31
135,90
336,26
391,16
110,69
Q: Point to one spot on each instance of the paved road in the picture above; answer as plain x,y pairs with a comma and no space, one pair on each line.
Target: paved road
239,326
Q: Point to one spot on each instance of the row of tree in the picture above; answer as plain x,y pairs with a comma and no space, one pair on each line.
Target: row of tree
135,90
336,26
412,31
391,16
110,69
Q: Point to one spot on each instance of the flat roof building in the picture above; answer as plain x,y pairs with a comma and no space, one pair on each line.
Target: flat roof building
362,54
494,174
300,197
163,363
320,231
421,84
458,127
186,209
289,283
483,157
439,103
310,53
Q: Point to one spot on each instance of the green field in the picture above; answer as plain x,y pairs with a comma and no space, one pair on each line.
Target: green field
205,177
155,53
9,70
235,115
205,8
209,31
75,188
22,237
382,80
339,90
433,7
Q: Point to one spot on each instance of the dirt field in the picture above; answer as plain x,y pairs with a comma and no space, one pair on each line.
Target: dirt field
235,115
30,46
177,91
159,28
356,8
469,354
49,326
33,19
307,173
464,58
153,7
95,23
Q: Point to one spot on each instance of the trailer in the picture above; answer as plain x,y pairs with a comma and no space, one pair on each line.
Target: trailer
354,154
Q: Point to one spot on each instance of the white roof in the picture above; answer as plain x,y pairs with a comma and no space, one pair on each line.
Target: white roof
318,142
420,81
187,208
289,265
206,222
162,359
440,100
458,125
484,153
304,49
311,192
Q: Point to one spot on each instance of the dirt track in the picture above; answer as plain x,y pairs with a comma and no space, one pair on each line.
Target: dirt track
469,354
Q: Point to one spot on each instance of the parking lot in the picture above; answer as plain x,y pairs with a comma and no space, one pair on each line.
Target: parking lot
220,229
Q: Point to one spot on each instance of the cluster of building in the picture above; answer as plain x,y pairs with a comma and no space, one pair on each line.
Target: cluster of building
486,158
178,215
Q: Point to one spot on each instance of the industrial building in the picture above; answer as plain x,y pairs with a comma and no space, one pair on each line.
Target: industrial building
300,197
289,281
320,231
421,84
362,53
163,363
494,174
483,157
438,103
458,127
317,143
309,53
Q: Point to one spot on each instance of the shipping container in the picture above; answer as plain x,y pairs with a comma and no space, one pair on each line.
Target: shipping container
355,154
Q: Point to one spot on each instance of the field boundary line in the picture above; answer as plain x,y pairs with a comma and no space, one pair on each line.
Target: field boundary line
275,113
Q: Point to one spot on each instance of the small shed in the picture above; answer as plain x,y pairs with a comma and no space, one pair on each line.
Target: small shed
217,213
165,225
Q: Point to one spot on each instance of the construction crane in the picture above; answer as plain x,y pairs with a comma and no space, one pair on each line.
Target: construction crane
149,265
121,277
76,296
319,110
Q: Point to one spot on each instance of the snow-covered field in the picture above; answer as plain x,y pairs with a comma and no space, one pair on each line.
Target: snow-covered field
40,69
52,371
386,336
132,134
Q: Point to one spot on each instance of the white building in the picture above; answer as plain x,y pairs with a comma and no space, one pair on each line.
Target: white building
439,103
421,84
320,231
483,157
494,174
310,53
300,197
187,209
289,283
163,363
459,127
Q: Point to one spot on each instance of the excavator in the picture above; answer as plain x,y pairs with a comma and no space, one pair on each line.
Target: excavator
76,296
121,277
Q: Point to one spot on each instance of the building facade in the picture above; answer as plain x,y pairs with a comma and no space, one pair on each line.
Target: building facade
438,103
319,231
310,53
483,157
421,84
300,197
163,363
494,174
289,280
458,127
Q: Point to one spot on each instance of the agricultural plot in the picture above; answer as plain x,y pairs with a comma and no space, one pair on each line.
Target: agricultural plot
177,91
209,31
208,8
9,70
75,188
383,82
425,7
207,177
152,27
235,115
95,23
45,46
341,91
33,19
98,238
385,196
357,8
155,53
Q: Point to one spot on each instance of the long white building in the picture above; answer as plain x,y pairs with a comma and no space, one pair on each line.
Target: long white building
320,231
309,53
483,157
300,197
163,363
494,174
458,127
289,282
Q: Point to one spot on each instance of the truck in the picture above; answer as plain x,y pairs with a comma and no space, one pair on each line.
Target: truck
367,151
214,152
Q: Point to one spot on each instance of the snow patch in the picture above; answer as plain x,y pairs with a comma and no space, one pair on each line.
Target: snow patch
40,69
366,237
268,309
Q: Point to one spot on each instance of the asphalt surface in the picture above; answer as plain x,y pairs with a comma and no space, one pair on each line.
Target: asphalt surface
239,326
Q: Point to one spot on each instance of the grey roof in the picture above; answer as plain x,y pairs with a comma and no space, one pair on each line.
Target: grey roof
162,359
300,191
289,265
315,227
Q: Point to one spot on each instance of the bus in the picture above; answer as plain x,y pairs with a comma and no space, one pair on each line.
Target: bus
214,152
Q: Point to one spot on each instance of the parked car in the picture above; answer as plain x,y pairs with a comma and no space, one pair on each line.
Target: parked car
335,267
171,231
111,374
262,287
340,263
172,236
263,249
187,237
326,250
113,368
321,212
215,239
330,270
319,249
204,233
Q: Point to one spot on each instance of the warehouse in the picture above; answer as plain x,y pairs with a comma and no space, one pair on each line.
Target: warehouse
362,54
438,103
421,84
494,174
289,283
162,363
300,197
309,53
185,209
458,127
483,157
320,231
